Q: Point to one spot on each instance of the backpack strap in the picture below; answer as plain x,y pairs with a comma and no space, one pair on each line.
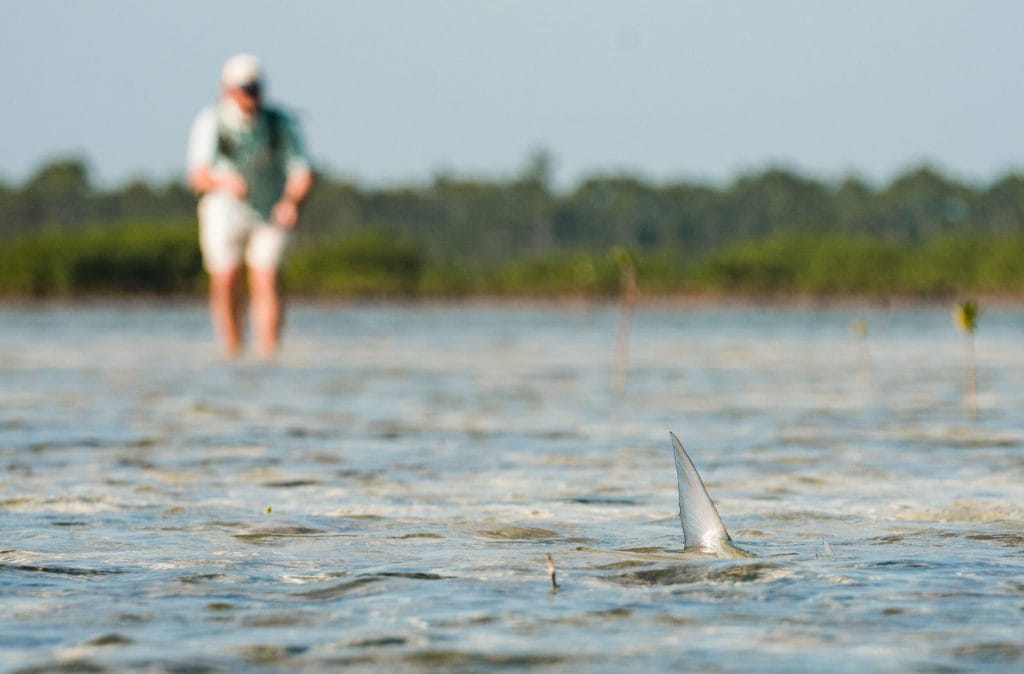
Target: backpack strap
275,122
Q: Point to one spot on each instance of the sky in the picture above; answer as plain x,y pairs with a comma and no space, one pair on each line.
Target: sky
398,91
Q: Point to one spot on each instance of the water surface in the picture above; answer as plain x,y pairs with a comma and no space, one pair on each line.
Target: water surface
383,497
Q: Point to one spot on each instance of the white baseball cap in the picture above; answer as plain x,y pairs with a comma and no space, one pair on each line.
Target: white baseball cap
240,70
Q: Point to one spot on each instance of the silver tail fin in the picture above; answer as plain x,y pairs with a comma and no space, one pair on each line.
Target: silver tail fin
702,527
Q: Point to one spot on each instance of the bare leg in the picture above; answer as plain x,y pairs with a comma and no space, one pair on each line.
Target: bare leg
226,310
267,310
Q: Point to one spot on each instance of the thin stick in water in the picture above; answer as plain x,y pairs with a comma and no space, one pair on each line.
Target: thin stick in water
970,376
551,572
627,275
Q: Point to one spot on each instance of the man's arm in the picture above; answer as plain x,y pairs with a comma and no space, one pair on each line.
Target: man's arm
202,147
202,180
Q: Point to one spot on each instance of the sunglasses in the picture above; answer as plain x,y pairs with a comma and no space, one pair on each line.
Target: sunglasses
252,89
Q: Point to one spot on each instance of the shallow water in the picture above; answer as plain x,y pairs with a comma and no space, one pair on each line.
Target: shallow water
384,496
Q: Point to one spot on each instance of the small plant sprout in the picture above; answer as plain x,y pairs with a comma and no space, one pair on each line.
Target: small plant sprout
965,315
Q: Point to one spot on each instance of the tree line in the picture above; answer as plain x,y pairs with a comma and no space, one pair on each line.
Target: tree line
773,231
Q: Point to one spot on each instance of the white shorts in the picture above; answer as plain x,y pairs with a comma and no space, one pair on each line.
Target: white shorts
230,231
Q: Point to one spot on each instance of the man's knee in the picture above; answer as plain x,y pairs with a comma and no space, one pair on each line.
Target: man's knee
225,280
263,280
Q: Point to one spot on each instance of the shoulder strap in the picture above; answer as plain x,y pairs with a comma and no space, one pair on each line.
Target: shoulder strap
226,145
275,120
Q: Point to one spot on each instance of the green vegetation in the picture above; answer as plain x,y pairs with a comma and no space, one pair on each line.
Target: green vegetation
965,315
367,263
836,264
162,258
157,257
772,233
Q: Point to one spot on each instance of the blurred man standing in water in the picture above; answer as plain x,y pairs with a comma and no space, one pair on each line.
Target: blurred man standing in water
247,163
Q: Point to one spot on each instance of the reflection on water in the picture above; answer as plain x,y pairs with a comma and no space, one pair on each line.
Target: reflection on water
385,495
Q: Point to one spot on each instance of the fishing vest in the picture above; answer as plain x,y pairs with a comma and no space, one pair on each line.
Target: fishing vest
260,154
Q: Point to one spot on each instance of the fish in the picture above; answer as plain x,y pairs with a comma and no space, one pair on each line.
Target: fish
703,530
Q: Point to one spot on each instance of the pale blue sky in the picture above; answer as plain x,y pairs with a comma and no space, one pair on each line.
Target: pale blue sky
397,90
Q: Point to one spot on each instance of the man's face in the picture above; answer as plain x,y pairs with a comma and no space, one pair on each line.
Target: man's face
246,97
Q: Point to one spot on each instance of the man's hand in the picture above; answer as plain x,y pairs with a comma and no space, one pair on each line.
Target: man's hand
203,180
285,213
234,184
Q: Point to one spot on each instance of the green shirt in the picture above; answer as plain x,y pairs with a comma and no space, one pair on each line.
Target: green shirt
263,149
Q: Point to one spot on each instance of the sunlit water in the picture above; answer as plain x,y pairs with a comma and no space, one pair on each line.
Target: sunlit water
383,497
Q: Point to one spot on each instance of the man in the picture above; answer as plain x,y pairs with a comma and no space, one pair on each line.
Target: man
247,162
